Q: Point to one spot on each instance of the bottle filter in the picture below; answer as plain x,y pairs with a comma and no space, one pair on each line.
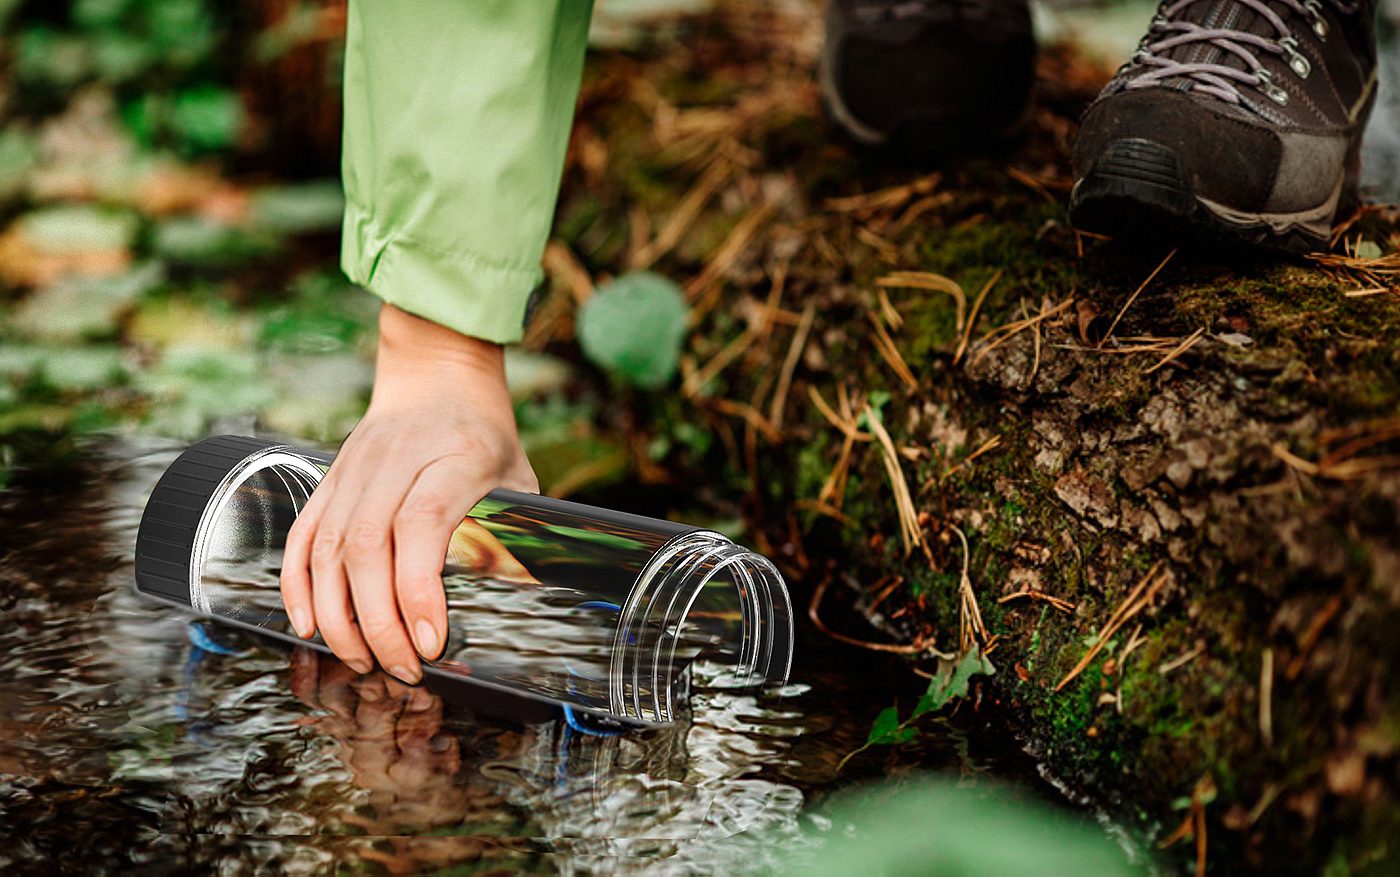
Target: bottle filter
597,609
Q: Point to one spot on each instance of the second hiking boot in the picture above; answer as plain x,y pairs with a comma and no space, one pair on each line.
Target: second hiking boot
1235,121
928,75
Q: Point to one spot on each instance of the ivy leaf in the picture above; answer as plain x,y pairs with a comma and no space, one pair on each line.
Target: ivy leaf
886,731
885,722
951,680
634,327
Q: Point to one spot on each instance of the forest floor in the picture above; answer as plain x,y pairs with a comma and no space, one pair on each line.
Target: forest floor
1157,491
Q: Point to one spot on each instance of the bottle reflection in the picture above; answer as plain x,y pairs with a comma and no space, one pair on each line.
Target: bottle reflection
573,781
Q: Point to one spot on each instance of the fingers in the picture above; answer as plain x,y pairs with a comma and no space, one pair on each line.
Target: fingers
296,572
305,676
369,566
434,506
331,600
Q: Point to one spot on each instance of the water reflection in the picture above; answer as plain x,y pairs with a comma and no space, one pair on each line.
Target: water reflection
167,743
172,737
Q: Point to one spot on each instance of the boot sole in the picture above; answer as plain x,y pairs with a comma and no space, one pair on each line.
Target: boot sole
1137,190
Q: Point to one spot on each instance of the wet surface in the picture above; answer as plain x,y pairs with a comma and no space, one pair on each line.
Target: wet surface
171,744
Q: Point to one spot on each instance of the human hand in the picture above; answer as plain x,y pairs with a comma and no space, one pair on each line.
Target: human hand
363,560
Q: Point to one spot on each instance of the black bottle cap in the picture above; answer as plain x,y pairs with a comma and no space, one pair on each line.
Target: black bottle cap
165,539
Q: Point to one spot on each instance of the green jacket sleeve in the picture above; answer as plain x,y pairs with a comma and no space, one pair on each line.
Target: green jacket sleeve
457,116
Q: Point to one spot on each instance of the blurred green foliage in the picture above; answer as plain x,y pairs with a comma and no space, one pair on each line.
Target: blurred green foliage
634,328
935,826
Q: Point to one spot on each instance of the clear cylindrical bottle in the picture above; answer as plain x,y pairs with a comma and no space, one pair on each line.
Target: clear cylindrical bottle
597,609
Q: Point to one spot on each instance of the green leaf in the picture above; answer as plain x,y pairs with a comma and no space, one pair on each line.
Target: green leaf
208,117
885,722
98,14
887,730
951,681
120,57
634,328
299,208
57,59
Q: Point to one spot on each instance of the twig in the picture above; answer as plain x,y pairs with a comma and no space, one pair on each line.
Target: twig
830,511
888,251
1140,597
1181,348
1002,334
1311,635
582,475
990,444
1134,640
697,380
733,247
1031,183
561,262
1063,605
971,630
794,353
908,515
1266,698
933,283
846,426
888,310
972,317
1132,298
919,646
1182,661
1039,341
884,199
884,591
885,344
750,415
680,220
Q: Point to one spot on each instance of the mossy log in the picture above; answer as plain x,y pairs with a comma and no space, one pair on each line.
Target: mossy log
1219,440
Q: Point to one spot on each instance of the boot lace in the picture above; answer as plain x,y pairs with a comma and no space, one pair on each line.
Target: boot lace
1219,79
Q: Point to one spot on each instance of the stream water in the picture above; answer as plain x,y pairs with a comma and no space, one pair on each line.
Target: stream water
134,735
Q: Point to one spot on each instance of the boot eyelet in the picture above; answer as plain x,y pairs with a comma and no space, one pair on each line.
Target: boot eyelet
1271,91
1319,23
1297,61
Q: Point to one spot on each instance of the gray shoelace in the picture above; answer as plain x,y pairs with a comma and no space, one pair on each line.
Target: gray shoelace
1219,79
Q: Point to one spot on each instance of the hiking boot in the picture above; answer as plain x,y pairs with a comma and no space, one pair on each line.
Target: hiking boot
1235,121
936,75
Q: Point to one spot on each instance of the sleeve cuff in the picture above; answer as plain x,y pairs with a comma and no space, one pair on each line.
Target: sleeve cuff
463,291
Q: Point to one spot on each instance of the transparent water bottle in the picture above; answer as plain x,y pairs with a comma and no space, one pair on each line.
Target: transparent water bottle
600,610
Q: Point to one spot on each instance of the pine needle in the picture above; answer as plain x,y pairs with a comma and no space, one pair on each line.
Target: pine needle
1132,298
972,317
909,527
932,282
1140,597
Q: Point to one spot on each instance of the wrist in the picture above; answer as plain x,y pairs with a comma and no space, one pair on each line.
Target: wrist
415,348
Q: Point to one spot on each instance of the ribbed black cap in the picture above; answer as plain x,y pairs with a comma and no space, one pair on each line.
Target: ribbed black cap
165,539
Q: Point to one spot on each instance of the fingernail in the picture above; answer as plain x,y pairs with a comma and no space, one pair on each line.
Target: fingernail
409,676
361,667
301,623
427,638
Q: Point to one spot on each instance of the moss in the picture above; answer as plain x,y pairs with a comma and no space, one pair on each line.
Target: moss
1179,462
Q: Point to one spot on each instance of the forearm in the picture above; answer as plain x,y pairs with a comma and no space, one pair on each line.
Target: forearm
457,118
